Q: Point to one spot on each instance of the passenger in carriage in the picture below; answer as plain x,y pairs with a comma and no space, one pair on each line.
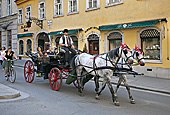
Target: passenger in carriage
50,52
45,54
66,43
40,51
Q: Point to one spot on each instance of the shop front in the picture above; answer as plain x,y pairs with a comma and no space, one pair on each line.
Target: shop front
149,35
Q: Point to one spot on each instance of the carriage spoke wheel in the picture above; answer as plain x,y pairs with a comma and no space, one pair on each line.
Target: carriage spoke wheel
55,79
75,83
29,71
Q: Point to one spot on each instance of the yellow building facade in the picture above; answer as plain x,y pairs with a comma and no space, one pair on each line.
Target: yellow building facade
100,25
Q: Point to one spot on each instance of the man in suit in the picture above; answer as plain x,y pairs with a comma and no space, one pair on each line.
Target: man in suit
66,43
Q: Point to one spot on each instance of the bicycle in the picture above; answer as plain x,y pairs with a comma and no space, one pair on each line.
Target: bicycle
11,75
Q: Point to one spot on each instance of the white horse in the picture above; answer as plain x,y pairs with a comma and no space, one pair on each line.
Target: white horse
106,62
138,56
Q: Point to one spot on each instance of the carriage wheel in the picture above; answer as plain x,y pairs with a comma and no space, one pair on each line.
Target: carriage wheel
55,79
75,83
29,71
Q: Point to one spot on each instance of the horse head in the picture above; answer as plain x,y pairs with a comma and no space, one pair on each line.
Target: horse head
126,53
138,54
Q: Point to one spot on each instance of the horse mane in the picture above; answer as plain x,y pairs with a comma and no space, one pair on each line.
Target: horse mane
114,53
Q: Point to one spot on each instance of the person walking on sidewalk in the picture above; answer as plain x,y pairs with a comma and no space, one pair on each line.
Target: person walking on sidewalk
8,56
66,43
2,52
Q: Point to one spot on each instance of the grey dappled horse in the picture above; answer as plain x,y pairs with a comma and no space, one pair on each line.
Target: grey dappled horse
83,62
138,56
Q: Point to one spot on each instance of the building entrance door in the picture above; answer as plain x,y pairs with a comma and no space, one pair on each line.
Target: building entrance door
94,47
93,44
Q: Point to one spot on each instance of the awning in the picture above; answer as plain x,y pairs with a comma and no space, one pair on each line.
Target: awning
69,31
131,24
24,35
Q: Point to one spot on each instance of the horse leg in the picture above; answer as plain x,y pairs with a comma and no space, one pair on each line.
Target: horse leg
96,79
114,98
132,101
99,92
117,87
79,81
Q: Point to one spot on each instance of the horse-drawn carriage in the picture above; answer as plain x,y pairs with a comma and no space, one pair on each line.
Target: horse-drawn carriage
104,65
51,67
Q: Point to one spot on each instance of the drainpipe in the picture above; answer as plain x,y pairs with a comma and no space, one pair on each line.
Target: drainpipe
167,39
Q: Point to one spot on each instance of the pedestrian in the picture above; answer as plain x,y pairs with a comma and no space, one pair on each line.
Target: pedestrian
40,51
8,56
2,55
66,43
50,52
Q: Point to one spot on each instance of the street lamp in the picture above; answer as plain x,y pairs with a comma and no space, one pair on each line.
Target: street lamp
29,23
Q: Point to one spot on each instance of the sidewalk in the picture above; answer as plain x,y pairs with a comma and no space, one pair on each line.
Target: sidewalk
139,82
7,92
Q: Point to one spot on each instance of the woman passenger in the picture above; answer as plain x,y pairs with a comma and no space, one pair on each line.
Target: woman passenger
39,51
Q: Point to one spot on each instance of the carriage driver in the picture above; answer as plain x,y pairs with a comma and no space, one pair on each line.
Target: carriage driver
66,43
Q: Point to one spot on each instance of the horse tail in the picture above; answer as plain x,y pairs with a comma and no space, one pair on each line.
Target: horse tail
72,62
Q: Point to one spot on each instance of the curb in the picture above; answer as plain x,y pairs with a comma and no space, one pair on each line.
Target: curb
8,93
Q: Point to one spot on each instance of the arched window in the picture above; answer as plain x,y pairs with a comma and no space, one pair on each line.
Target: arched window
115,39
150,43
29,45
75,41
21,47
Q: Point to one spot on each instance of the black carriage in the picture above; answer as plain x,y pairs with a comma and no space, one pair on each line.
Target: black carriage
51,67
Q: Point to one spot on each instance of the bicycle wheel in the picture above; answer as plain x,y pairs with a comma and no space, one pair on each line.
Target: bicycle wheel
12,75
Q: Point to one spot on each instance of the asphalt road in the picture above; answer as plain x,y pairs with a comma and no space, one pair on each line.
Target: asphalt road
43,100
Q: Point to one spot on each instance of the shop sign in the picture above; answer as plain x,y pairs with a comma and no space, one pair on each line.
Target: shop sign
49,22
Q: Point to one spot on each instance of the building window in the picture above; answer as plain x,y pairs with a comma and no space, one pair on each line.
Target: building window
115,40
8,7
29,45
9,38
20,16
109,2
41,10
27,13
58,7
0,9
0,40
150,44
92,4
72,6
21,47
75,41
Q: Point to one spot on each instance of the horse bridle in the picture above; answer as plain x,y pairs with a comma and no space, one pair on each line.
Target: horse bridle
125,52
137,54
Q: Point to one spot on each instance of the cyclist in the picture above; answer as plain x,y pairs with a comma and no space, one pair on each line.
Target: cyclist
8,56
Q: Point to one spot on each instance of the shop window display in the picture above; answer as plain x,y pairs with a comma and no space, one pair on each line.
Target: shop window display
150,41
115,40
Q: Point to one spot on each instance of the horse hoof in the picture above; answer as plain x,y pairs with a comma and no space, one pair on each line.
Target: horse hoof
116,103
132,101
97,98
81,94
